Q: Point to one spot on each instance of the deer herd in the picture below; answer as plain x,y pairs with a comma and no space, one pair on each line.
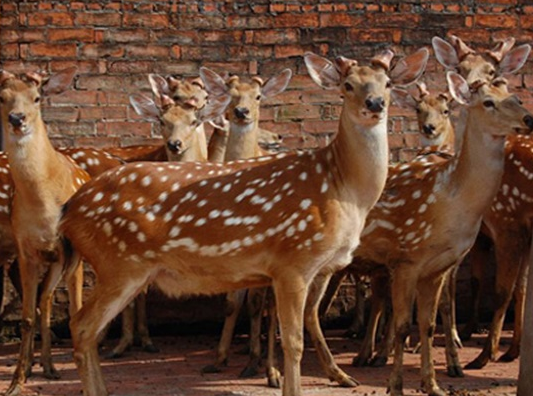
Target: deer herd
274,227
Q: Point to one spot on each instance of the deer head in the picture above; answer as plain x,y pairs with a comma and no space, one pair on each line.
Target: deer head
499,61
20,98
433,114
179,120
501,111
245,97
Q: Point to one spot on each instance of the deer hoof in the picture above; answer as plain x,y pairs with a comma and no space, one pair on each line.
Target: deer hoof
476,364
274,378
378,361
455,371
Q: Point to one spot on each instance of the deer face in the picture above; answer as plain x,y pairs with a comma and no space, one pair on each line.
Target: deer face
433,116
245,100
367,91
501,111
476,68
20,105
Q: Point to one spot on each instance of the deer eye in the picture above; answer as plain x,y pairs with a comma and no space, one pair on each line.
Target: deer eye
446,112
488,103
37,99
348,87
258,97
389,84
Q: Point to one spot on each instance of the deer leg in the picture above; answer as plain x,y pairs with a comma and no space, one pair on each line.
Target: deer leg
272,371
427,301
520,298
479,257
30,279
312,324
142,324
358,325
52,279
386,344
380,286
255,303
331,292
291,293
447,310
508,254
109,296
234,302
126,339
403,295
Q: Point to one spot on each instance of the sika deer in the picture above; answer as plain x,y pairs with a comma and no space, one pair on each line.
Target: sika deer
305,209
243,143
510,231
44,179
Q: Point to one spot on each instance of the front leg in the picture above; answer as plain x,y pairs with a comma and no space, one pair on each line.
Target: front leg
29,277
312,324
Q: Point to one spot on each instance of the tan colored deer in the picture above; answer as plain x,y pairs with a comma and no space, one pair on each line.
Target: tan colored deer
509,231
226,227
44,179
417,232
243,143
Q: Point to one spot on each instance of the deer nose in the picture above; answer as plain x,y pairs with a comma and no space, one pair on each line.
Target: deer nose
241,112
16,119
528,120
174,145
429,129
375,105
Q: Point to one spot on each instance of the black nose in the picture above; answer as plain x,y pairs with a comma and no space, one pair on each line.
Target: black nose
375,105
241,112
16,119
174,145
528,120
429,129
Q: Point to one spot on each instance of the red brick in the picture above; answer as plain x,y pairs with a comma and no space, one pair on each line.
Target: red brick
319,126
496,21
286,20
117,128
50,19
21,35
286,51
102,50
298,112
146,51
98,19
67,50
218,36
76,98
153,21
9,51
85,35
129,66
280,36
341,19
8,21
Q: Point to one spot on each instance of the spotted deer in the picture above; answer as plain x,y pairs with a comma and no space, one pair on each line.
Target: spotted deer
510,232
226,227
43,179
415,229
243,115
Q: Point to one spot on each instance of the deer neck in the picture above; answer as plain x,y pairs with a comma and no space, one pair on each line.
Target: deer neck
359,159
198,147
33,161
243,142
217,145
479,166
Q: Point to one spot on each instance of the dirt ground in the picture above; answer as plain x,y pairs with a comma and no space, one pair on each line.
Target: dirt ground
175,371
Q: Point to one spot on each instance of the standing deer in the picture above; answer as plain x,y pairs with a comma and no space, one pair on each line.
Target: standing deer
243,143
511,231
212,228
43,179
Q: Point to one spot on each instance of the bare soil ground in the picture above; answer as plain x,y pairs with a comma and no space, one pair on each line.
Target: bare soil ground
175,371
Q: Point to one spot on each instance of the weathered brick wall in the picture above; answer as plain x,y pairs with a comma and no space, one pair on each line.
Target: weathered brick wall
115,44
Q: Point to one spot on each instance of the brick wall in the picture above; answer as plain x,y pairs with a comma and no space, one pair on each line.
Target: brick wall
115,44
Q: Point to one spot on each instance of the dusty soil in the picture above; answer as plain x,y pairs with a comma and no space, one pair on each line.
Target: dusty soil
175,371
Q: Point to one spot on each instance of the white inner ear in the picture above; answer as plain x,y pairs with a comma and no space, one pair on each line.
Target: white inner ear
322,71
144,106
458,87
158,84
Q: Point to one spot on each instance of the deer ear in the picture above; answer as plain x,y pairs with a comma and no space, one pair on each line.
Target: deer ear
214,108
159,85
214,84
514,59
409,69
144,106
5,75
402,98
458,88
322,71
59,82
445,53
220,123
276,84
